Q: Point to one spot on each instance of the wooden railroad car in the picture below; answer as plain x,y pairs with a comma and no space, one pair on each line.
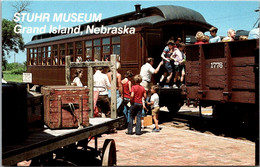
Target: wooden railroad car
222,72
154,26
226,76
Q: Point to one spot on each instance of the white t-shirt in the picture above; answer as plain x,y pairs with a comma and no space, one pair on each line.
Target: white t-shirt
101,83
77,82
155,99
214,39
178,55
146,72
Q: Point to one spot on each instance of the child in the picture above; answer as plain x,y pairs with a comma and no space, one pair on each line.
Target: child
77,76
155,107
178,57
127,85
166,54
137,94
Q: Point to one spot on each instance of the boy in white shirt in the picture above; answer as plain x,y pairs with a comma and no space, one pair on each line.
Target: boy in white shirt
155,107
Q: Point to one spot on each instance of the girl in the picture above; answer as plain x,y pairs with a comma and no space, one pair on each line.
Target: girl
127,85
77,76
137,94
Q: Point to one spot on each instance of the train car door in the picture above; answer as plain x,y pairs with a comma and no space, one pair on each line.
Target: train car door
154,46
130,53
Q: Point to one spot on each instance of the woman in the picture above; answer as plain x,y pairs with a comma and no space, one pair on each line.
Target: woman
231,36
199,38
127,85
77,76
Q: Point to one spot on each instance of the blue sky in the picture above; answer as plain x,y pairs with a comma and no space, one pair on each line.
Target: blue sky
238,15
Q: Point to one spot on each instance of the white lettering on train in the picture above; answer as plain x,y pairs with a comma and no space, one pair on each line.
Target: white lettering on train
216,65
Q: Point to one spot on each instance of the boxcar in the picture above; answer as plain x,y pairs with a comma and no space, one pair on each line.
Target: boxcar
153,27
226,76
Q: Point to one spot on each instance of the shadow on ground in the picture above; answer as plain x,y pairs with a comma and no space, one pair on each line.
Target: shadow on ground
227,128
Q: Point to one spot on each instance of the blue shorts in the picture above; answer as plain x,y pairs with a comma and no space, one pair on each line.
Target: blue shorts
168,66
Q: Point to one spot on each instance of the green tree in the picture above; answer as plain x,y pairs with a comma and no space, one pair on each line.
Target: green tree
11,41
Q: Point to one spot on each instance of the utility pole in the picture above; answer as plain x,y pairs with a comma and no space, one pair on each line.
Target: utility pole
14,57
257,10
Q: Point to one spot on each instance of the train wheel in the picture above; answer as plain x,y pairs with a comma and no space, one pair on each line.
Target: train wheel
109,153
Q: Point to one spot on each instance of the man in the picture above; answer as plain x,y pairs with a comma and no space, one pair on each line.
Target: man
214,38
102,84
119,87
147,71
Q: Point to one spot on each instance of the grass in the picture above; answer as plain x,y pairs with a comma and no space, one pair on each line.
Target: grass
12,77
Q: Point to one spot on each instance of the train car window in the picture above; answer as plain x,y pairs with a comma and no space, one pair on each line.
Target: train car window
31,57
35,57
88,49
105,41
116,49
97,55
55,54
88,43
116,45
79,51
106,49
89,53
79,48
62,53
43,55
190,39
70,49
97,42
115,39
49,55
39,56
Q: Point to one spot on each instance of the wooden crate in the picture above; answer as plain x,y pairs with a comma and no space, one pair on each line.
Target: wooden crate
148,120
65,106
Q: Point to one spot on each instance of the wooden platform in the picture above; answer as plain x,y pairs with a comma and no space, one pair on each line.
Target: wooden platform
47,140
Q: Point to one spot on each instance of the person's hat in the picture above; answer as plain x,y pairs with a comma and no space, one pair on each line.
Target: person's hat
213,29
170,42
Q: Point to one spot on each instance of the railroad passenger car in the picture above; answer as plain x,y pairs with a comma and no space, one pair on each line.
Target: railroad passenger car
153,27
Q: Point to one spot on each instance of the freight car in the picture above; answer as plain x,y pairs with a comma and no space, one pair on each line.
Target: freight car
225,75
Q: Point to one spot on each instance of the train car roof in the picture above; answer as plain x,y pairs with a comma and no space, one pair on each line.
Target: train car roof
151,16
